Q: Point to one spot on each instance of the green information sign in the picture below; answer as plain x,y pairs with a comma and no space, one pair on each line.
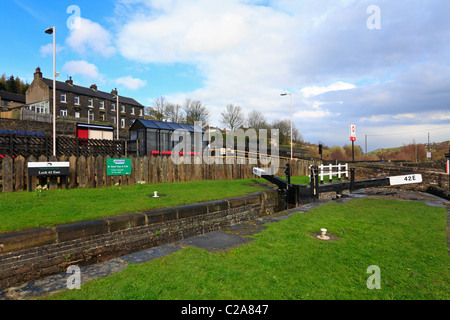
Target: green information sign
118,167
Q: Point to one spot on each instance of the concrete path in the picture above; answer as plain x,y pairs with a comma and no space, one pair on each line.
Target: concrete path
213,242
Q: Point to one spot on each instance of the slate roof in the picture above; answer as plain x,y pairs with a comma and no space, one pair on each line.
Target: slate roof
153,124
12,96
63,86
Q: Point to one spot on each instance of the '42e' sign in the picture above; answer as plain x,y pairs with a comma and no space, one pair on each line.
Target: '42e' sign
118,167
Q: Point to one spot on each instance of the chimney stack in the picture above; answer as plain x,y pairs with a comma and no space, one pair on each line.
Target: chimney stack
38,73
70,81
94,87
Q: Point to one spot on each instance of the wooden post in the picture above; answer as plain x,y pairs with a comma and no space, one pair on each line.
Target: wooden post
31,179
19,166
99,168
145,167
91,171
73,172
108,179
82,172
53,179
7,165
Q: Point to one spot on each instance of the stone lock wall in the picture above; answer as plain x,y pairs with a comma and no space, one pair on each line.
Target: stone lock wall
30,255
431,177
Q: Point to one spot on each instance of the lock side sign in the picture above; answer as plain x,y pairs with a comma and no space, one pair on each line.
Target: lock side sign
118,167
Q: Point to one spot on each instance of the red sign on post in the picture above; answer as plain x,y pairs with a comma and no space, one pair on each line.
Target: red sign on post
352,132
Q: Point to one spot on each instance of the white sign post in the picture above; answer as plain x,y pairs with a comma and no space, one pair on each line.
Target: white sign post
353,139
352,132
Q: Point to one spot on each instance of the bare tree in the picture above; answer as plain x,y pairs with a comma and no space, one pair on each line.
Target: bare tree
158,110
195,111
284,127
174,113
233,117
257,121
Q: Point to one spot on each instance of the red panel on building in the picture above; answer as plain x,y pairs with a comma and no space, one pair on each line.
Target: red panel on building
83,133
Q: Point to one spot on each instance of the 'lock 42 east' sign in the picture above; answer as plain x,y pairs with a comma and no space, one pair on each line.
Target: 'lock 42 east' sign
48,168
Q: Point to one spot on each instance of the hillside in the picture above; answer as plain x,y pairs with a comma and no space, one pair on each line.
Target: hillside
411,152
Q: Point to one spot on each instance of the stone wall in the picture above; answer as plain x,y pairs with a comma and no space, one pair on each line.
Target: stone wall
29,255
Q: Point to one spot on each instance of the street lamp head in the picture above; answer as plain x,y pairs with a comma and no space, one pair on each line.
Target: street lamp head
49,31
283,94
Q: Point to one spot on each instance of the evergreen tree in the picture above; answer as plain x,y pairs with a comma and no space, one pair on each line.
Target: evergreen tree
13,84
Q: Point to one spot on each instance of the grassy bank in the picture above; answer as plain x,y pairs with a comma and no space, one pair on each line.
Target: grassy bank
406,240
27,210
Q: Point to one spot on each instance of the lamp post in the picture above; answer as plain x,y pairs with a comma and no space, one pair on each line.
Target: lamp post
284,94
53,31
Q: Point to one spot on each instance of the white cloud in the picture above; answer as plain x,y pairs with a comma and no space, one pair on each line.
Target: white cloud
248,54
83,68
131,83
315,90
48,49
90,38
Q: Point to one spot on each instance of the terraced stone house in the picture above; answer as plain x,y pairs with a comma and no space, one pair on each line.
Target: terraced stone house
81,102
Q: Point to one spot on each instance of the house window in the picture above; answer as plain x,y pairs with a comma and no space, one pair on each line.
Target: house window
90,115
113,119
63,112
122,122
77,114
102,104
122,108
132,110
90,102
77,100
63,97
141,112
113,107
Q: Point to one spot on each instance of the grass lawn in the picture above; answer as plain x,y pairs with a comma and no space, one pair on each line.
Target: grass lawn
25,210
406,240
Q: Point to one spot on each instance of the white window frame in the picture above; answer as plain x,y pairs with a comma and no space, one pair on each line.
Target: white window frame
122,108
77,114
132,110
75,100
91,114
63,112
102,104
90,102
64,100
122,122
113,106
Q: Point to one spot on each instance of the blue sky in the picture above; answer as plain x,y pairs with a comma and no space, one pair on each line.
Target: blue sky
381,65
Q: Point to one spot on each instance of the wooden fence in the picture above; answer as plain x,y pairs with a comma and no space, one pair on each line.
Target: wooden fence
26,145
90,171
